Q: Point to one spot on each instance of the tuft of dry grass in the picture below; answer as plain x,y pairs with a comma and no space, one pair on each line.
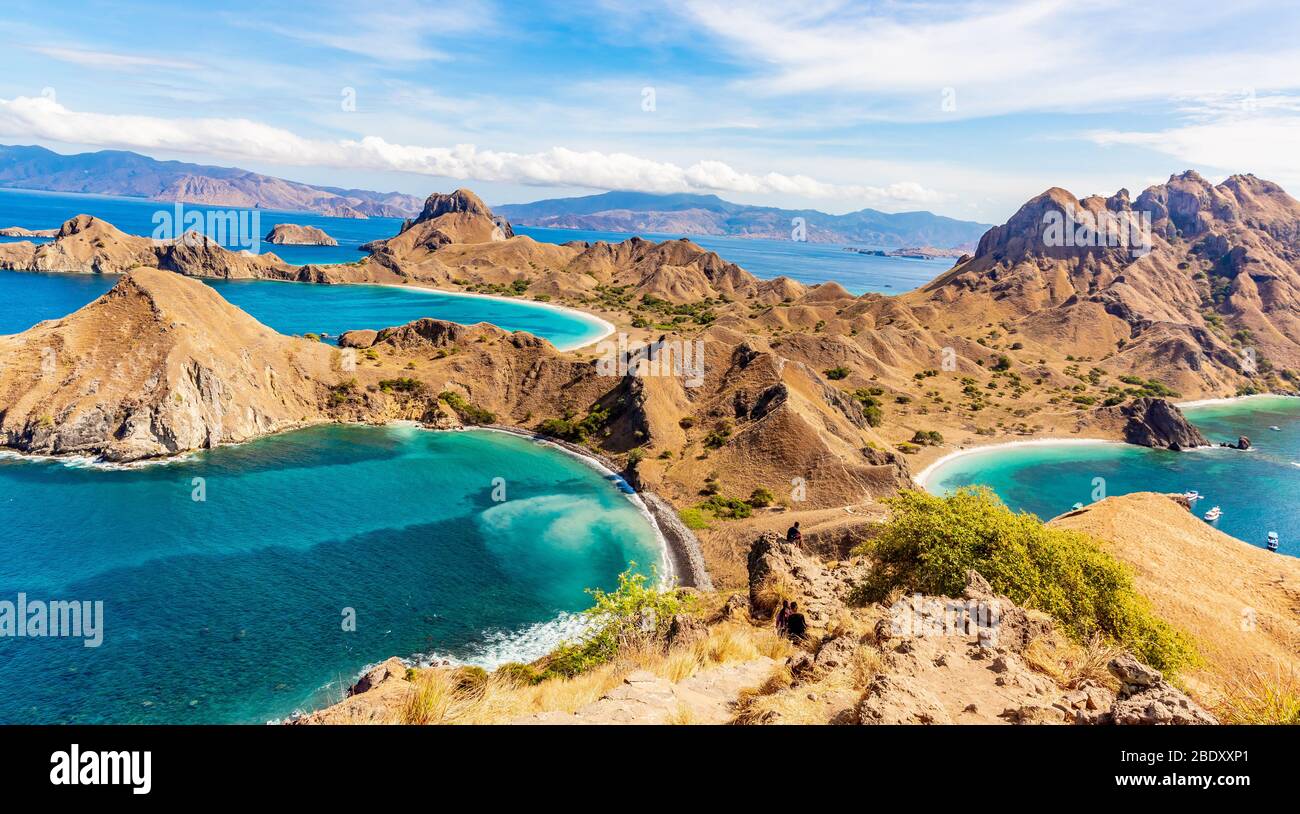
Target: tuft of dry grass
1262,696
1069,664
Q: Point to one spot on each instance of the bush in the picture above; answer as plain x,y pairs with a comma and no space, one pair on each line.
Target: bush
402,385
727,508
635,613
761,497
927,438
931,542
469,413
836,373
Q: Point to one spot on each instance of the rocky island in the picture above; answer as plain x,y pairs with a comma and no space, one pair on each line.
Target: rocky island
291,234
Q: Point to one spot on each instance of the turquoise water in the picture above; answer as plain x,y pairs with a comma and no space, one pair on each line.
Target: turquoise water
298,308
809,263
230,610
1258,490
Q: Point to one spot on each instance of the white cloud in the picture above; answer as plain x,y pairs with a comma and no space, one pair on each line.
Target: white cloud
44,118
107,60
1004,57
1261,140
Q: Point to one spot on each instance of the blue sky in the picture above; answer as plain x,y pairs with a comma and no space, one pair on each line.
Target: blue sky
967,109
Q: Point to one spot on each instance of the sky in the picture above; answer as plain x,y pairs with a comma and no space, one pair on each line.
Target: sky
967,109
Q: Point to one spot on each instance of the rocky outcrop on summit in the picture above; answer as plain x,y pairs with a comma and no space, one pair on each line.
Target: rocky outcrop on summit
1152,422
1217,291
291,234
157,366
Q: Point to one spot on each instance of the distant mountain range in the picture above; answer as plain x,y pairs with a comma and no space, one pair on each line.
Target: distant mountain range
641,213
117,172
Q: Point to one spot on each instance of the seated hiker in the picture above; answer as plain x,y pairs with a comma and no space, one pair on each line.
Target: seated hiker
796,626
781,615
794,535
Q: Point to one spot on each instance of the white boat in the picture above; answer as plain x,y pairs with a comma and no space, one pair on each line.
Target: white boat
1272,541
1275,428
1214,514
1192,494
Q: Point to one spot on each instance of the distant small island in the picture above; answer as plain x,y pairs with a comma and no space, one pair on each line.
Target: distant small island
18,231
913,253
291,234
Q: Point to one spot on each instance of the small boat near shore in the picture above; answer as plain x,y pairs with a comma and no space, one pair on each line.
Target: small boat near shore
1214,514
1192,495
1272,541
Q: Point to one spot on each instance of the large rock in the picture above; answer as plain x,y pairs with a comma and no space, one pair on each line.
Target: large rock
1157,423
291,234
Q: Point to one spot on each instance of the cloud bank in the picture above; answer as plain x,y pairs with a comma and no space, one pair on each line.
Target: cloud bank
45,118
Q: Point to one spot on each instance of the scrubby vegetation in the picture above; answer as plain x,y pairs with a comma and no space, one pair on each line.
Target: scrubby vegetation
634,614
576,430
469,413
931,542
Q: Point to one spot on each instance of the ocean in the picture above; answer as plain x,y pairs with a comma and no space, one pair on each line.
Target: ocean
809,263
231,610
1256,489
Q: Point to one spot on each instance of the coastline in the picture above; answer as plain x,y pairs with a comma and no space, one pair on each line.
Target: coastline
1185,405
682,557
605,325
922,478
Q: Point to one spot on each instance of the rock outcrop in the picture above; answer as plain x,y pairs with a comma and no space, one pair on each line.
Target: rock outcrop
1152,422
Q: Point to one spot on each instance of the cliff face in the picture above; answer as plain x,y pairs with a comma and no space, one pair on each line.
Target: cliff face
159,365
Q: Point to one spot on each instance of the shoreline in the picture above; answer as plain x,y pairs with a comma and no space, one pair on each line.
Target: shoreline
922,477
1185,405
605,325
682,556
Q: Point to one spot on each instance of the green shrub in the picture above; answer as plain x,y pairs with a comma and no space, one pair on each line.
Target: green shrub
727,508
635,613
837,373
931,542
522,675
761,497
695,519
402,385
469,413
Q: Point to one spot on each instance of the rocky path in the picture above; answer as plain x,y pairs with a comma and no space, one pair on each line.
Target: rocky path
708,697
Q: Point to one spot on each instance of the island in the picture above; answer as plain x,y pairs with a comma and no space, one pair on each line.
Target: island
291,234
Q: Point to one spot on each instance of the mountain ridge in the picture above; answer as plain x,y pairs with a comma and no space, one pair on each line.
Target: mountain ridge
129,174
710,215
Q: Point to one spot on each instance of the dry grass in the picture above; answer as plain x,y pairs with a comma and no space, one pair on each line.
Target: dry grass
1262,696
777,700
438,696
1070,664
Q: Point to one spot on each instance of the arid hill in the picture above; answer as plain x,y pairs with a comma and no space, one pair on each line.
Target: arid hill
157,366
1238,601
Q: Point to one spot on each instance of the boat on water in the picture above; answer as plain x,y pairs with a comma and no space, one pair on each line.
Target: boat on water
1272,541
1192,494
1275,428
1214,514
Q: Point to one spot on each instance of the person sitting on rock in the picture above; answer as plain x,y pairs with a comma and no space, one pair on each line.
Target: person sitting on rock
782,615
794,536
796,626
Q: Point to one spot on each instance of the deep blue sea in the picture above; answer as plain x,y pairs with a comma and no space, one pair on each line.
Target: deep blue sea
1257,490
231,609
806,262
